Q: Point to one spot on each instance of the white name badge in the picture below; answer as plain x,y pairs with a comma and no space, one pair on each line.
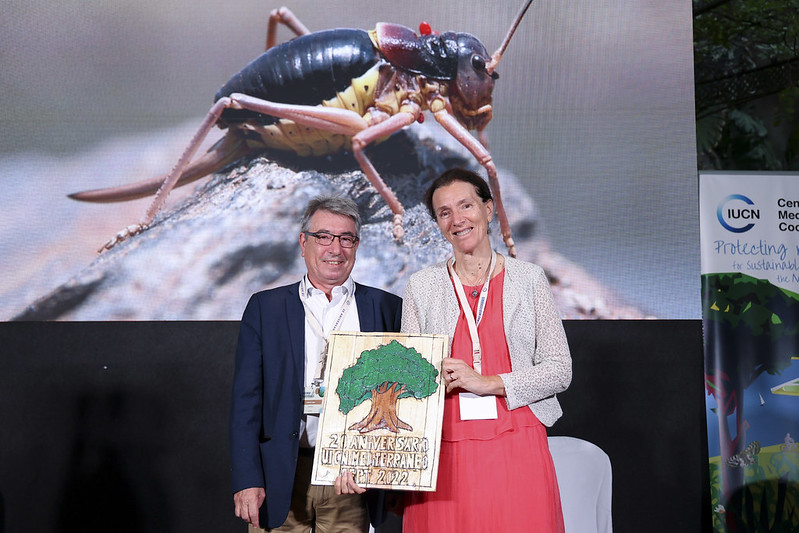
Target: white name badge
474,407
312,400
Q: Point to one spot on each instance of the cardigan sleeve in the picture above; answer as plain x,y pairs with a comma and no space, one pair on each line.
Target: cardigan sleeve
539,349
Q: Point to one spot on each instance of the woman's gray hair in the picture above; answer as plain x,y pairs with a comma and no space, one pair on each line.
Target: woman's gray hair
338,205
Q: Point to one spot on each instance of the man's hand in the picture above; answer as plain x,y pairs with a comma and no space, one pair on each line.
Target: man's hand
248,503
345,484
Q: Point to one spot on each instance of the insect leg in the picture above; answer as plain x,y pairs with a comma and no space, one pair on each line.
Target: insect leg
173,177
332,119
230,148
371,134
349,123
325,118
284,16
483,156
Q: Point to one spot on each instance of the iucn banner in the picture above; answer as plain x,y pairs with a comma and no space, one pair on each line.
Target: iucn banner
749,225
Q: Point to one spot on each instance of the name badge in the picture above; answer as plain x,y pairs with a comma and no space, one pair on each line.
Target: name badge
474,407
312,399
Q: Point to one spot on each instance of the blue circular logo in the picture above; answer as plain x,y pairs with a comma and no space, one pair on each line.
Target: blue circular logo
734,213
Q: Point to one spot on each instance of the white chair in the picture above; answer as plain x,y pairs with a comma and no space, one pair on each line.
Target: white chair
585,482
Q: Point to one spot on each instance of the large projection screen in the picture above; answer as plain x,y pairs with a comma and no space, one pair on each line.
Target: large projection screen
593,113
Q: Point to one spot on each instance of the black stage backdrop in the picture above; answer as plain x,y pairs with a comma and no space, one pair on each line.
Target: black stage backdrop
123,424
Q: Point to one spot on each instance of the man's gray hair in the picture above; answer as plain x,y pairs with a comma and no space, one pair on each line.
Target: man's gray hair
338,205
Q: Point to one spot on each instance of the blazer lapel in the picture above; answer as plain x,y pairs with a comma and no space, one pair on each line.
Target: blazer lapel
295,317
365,305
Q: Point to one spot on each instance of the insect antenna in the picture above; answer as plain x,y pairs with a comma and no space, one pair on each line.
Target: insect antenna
496,56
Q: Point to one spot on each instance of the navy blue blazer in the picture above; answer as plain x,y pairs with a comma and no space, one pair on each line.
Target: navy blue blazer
266,404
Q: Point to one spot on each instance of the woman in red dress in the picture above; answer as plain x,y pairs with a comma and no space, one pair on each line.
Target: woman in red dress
509,357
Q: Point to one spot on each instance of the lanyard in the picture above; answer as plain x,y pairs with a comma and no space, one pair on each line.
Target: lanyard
317,327
471,320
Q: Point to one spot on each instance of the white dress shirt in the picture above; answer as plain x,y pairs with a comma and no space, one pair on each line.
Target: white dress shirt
327,313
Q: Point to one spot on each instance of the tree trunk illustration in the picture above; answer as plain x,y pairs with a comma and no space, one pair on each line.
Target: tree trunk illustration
383,413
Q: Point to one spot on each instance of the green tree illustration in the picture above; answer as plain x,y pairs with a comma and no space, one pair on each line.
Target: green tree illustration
385,375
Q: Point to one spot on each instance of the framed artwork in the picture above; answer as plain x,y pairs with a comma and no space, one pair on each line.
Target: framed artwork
382,412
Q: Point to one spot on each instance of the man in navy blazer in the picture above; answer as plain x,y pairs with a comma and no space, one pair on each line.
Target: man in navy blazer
278,354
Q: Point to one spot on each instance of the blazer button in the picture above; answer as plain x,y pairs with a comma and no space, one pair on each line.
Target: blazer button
294,434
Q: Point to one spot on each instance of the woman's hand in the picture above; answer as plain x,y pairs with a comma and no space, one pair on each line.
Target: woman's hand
459,375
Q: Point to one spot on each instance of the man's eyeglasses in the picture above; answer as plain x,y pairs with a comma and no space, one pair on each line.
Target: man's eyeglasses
326,239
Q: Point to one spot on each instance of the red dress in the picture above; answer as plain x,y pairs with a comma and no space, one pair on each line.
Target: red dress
494,475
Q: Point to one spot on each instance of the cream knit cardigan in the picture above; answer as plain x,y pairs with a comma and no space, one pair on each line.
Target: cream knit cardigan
539,353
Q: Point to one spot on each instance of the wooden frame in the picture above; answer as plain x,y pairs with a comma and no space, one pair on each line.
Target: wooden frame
383,409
